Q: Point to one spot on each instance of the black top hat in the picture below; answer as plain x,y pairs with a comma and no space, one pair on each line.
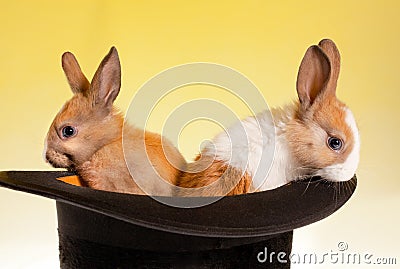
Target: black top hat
99,229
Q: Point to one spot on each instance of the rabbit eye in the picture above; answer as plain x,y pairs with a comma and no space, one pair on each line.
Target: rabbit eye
68,131
335,143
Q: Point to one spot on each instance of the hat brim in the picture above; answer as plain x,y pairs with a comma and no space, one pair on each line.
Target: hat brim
250,215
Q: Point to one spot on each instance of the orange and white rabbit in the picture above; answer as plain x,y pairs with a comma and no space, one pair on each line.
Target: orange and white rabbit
86,135
316,136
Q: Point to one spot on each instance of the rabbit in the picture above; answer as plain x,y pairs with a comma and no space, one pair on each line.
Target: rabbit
314,136
86,136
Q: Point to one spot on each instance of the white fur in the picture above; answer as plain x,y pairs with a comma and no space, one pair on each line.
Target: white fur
345,171
257,145
241,144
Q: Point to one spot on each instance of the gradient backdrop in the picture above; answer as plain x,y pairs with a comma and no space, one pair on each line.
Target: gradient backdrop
265,40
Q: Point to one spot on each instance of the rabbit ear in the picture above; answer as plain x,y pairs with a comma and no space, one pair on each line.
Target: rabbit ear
313,76
76,79
106,82
333,54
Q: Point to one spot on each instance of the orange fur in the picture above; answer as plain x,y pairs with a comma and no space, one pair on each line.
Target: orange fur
320,114
96,150
73,180
303,133
163,157
217,179
311,150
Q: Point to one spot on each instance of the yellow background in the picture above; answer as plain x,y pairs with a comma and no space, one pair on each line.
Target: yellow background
265,40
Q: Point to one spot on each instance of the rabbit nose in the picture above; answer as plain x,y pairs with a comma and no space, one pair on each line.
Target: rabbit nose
47,157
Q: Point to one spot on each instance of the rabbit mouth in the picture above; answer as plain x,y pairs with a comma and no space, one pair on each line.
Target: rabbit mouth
59,160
